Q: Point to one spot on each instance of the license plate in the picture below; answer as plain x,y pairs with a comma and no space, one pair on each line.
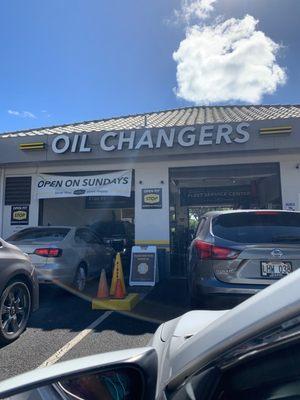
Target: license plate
273,269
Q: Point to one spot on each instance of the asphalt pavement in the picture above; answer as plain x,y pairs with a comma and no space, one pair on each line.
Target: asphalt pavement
61,318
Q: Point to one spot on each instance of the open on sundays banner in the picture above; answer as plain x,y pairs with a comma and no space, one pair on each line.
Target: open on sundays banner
111,184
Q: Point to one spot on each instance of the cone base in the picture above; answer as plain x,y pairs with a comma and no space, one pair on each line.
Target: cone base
126,304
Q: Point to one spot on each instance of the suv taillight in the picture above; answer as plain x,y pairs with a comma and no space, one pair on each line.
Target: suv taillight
207,251
48,252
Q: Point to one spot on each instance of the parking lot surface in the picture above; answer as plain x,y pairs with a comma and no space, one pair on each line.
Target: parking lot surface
60,323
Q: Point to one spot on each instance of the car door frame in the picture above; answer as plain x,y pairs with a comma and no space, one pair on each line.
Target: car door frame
209,376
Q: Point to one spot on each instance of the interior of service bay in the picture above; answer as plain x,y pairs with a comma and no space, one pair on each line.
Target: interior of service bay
197,190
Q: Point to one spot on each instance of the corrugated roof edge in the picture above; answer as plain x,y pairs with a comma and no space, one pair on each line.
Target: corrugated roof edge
144,114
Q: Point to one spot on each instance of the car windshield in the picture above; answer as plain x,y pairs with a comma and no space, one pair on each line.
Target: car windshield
149,170
108,228
39,235
258,227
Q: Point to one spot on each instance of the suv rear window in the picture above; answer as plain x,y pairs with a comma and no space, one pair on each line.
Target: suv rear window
258,227
40,235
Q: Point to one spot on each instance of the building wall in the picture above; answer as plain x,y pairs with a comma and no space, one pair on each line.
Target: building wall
290,182
7,228
152,226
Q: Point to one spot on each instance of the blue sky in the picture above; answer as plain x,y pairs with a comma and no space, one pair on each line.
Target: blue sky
71,60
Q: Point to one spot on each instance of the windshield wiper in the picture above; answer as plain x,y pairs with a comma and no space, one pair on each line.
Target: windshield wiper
286,238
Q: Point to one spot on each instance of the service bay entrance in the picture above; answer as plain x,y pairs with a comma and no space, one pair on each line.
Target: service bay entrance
197,190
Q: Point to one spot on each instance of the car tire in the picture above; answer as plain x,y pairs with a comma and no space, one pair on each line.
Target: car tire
15,308
80,278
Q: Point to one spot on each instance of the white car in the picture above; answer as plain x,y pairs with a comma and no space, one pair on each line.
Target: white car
249,352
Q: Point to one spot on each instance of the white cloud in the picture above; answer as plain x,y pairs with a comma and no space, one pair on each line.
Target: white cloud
227,61
21,114
190,9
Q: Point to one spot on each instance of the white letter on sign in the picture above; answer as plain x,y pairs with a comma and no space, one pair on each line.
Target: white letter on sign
126,139
103,139
189,139
206,135
145,140
60,144
224,132
83,148
244,135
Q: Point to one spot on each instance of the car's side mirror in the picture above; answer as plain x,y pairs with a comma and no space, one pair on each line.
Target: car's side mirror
125,374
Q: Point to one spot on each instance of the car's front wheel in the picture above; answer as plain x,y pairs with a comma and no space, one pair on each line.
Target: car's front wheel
15,306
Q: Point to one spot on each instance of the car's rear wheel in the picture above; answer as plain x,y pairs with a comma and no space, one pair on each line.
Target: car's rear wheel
80,278
15,306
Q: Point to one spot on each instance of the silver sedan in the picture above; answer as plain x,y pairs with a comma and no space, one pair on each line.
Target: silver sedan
65,255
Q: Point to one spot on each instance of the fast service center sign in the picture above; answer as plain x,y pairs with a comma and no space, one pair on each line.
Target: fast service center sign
184,137
111,184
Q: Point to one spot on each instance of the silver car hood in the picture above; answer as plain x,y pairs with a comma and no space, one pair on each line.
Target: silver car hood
172,335
190,323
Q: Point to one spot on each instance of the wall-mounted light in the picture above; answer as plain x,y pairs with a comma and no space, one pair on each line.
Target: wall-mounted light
162,182
140,182
297,166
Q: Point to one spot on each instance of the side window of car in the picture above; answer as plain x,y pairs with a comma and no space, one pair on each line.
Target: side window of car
89,237
269,376
95,238
200,386
79,236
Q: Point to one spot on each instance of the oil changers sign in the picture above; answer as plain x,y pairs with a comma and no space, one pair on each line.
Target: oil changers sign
111,184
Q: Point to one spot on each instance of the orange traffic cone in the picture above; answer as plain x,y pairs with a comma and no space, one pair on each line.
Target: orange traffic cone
119,292
102,288
117,274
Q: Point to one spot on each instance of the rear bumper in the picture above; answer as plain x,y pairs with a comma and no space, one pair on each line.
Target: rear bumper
52,273
217,292
214,286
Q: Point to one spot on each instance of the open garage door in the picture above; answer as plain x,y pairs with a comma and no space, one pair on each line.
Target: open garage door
111,217
197,190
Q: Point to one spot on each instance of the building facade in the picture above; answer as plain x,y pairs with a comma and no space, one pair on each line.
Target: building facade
180,163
